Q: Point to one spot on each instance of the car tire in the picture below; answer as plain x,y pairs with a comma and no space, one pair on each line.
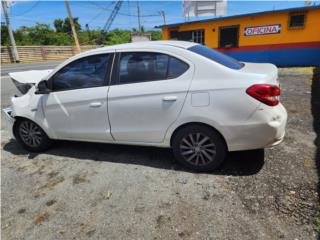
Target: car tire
31,136
199,148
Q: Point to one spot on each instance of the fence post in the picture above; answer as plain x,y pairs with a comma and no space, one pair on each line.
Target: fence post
43,53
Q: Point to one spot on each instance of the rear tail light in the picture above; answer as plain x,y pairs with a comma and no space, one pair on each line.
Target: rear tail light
265,93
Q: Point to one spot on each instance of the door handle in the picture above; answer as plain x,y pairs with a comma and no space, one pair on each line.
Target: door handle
95,104
169,98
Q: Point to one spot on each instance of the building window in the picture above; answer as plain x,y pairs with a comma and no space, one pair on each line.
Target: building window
173,34
297,20
198,36
229,37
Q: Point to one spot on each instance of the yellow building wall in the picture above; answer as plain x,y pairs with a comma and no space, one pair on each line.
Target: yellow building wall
310,32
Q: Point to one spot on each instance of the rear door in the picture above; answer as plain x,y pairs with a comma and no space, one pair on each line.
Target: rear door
147,95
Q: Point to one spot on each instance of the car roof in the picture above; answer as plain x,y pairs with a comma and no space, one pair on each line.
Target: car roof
146,44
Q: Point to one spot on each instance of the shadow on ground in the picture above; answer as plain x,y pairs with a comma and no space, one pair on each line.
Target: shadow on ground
242,163
315,109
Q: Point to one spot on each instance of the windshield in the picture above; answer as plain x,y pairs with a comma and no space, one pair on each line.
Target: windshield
216,56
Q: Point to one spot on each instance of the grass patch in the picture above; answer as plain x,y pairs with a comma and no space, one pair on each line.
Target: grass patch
317,223
300,70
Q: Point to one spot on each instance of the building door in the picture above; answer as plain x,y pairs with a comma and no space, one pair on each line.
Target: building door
229,37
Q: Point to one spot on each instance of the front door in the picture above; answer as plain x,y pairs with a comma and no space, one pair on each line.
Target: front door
77,106
149,92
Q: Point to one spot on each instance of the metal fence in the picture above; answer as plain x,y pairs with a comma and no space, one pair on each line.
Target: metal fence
41,53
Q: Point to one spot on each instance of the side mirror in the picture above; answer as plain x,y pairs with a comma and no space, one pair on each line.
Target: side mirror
42,88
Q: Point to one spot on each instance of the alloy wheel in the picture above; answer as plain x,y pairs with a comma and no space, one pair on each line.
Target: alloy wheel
30,134
198,149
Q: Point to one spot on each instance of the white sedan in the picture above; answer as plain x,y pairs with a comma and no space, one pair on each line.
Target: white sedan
176,94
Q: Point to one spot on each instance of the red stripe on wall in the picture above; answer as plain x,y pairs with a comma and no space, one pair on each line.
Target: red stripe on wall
272,47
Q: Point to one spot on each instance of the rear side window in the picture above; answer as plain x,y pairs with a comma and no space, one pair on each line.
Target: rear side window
216,56
137,67
176,67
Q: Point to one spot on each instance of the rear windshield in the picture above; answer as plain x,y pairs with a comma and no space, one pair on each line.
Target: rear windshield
216,56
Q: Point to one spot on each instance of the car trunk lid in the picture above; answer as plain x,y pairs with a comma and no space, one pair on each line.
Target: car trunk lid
269,72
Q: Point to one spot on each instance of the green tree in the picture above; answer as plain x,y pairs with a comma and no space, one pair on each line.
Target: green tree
43,34
4,35
66,27
91,37
156,35
117,36
58,24
22,36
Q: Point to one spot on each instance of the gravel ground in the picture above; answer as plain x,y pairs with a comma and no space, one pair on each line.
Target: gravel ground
101,191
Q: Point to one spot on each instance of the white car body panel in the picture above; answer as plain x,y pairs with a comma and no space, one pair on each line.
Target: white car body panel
142,112
79,114
148,113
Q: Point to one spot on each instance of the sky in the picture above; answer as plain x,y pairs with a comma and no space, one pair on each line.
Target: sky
96,13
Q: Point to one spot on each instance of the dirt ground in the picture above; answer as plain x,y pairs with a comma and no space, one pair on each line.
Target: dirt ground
101,191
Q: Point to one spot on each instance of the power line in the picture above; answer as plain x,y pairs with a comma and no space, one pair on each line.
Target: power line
24,20
26,11
96,16
121,13
139,20
112,16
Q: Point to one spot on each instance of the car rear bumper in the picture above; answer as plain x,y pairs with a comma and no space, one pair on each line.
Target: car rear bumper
266,128
9,119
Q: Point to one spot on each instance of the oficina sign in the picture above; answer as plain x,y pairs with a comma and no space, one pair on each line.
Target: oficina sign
262,30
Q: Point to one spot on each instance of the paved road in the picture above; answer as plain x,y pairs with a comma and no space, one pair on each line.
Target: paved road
17,67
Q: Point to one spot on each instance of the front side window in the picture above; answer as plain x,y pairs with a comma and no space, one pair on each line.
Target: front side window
137,67
86,72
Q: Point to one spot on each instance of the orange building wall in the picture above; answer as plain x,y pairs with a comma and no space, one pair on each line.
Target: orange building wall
310,33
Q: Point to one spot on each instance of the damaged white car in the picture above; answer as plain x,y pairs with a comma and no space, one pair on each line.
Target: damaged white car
176,94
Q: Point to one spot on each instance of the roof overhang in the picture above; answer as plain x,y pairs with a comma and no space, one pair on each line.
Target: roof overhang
237,16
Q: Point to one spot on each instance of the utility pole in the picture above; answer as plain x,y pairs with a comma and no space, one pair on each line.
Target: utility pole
139,21
14,50
163,14
74,32
88,31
